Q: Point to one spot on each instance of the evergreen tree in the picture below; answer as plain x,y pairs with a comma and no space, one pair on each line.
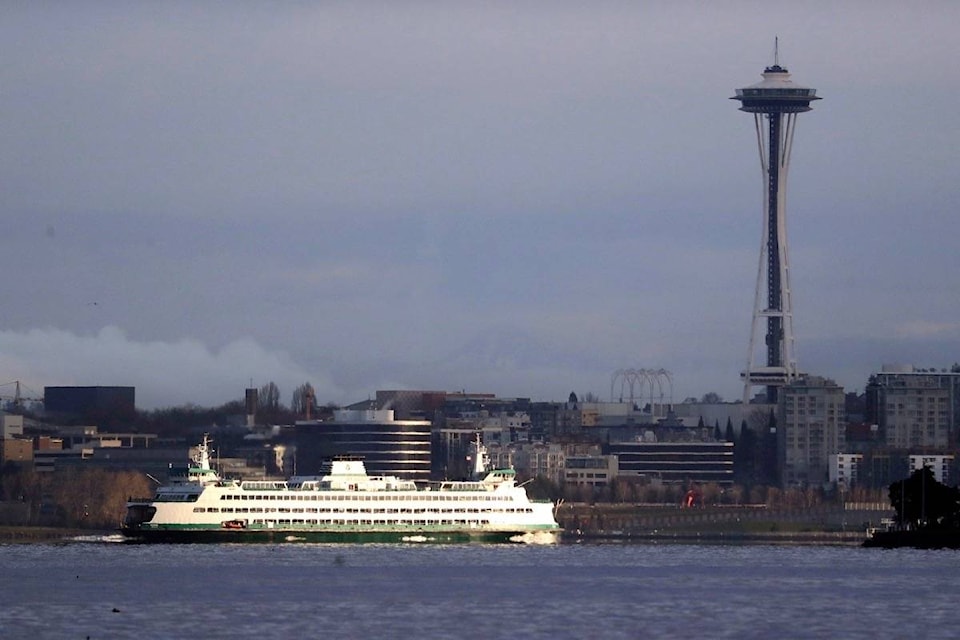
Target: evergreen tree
744,452
922,502
766,461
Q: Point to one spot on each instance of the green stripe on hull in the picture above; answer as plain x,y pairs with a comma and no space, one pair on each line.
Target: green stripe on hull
186,535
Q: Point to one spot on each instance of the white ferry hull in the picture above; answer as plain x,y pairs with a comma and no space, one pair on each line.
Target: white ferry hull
346,505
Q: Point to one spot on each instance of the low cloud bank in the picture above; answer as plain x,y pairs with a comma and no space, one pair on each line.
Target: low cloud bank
164,373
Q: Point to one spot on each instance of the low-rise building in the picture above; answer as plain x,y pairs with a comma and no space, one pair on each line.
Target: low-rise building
19,450
595,471
11,425
844,469
674,462
941,465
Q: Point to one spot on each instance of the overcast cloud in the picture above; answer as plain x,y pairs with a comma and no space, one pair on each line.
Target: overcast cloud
518,198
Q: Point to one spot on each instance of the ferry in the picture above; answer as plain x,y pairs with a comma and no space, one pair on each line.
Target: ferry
345,504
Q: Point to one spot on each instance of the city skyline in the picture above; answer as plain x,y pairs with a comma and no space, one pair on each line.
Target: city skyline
510,199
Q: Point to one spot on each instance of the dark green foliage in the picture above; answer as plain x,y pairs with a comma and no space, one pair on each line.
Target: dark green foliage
541,488
767,467
923,503
744,454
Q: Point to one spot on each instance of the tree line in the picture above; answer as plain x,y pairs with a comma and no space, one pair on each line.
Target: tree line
180,420
73,497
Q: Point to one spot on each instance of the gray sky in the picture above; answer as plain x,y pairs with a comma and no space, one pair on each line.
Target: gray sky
508,197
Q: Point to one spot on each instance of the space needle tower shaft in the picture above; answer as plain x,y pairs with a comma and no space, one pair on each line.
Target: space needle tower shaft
774,103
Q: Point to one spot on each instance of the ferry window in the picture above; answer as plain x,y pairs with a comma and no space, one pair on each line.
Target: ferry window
198,509
213,510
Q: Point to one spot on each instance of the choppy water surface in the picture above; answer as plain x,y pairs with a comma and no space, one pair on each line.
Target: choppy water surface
110,590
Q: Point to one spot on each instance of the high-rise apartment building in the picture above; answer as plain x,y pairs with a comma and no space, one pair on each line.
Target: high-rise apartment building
915,408
811,426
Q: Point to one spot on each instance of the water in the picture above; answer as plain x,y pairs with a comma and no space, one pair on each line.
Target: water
111,590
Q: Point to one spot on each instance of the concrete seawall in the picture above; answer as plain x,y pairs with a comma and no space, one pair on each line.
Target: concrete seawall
741,523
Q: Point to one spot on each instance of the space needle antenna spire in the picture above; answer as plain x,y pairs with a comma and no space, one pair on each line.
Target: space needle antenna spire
774,103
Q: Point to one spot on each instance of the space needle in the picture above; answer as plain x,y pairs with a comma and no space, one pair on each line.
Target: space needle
774,102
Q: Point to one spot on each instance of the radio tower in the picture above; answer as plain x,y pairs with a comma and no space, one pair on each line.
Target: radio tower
774,103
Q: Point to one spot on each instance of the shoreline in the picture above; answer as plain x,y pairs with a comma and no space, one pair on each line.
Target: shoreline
792,538
13,534
741,524
37,534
